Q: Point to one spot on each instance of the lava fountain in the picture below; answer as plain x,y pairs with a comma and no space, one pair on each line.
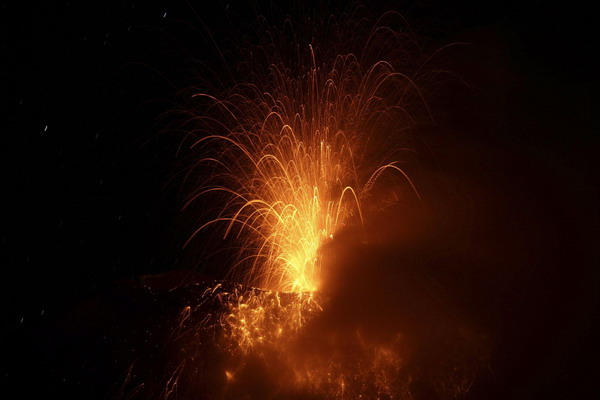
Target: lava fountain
294,155
317,137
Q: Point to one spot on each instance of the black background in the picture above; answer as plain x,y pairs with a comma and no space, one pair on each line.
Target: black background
85,163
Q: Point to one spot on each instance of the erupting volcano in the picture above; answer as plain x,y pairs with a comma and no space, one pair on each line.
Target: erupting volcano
316,139
302,200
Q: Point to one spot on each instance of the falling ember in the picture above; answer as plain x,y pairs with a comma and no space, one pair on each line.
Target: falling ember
314,140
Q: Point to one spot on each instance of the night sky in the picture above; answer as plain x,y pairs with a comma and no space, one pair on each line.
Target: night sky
87,155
